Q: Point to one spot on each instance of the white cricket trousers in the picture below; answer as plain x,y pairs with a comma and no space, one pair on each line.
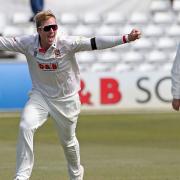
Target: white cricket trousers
65,113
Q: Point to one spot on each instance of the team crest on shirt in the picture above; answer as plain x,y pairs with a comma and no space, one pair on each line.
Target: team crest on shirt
57,53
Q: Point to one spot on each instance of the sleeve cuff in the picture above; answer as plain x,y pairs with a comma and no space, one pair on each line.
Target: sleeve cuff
125,38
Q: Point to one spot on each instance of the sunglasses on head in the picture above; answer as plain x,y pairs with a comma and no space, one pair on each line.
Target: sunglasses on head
54,27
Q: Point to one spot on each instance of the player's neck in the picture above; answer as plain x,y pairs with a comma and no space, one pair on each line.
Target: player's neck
43,44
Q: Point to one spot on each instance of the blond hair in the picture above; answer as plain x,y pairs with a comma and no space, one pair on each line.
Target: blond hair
43,16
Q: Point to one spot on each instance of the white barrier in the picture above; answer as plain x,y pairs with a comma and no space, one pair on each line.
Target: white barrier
106,91
125,91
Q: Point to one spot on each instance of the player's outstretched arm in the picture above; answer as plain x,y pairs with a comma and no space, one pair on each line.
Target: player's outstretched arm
104,42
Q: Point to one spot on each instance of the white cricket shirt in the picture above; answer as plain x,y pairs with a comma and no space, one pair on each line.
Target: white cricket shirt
55,73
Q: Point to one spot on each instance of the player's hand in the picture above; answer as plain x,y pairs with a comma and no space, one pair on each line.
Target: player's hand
134,34
176,104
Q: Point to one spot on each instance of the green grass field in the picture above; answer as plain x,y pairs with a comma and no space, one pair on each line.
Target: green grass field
113,147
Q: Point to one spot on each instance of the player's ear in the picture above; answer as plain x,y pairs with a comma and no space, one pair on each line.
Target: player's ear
38,30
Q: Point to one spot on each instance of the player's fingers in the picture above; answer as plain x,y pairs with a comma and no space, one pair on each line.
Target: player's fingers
136,33
176,105
176,108
138,36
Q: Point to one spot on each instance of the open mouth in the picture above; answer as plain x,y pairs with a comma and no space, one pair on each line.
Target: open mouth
51,38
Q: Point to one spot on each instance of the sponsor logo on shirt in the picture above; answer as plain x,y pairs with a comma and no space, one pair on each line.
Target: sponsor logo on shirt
48,66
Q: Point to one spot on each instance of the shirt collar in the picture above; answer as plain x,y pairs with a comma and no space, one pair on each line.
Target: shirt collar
37,43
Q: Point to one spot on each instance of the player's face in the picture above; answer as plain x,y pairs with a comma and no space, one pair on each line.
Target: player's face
47,32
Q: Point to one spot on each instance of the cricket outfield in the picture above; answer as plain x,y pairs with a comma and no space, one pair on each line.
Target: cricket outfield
113,147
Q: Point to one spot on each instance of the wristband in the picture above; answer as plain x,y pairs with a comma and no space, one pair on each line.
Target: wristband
125,38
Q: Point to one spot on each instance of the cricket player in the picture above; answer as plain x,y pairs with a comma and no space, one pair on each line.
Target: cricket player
55,84
175,74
